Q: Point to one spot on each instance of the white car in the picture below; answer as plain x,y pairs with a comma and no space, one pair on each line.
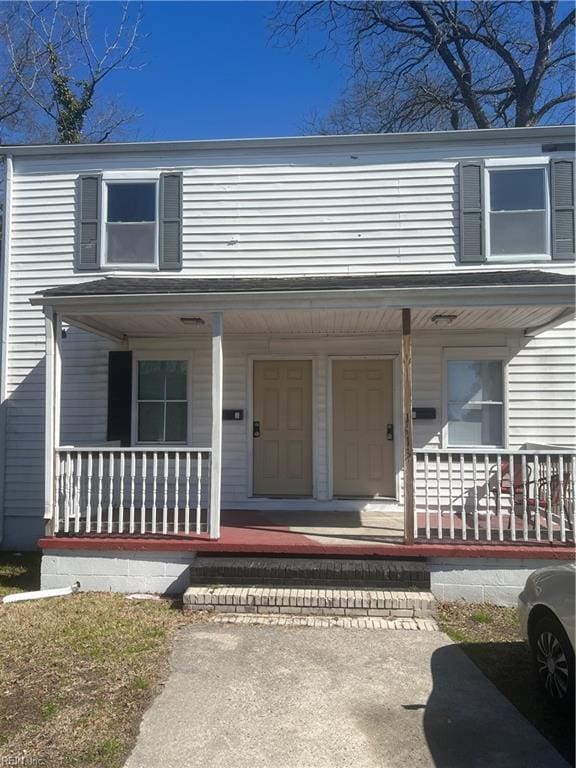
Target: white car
547,618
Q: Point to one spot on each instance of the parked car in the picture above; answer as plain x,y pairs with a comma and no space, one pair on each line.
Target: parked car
547,618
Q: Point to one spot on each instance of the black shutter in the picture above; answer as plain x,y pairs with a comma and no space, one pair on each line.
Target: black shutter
87,251
171,221
472,248
563,221
120,397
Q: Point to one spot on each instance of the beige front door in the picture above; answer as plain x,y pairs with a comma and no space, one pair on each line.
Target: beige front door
282,429
362,403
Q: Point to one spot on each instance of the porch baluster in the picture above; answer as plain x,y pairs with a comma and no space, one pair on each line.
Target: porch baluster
499,497
110,516
78,493
488,497
154,482
549,521
132,489
451,500
524,499
68,503
187,502
438,496
561,498
475,498
165,506
512,512
143,506
89,471
426,500
121,500
57,485
199,493
463,496
176,489
537,497
100,482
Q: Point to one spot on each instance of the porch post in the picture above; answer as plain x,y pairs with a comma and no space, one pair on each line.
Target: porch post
53,327
407,430
216,465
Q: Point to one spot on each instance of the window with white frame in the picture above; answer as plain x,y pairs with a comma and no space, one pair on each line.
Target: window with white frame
162,401
475,402
518,211
131,222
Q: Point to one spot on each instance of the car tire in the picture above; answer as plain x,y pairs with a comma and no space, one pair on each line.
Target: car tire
554,660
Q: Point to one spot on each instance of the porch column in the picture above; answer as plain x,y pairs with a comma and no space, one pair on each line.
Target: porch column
216,464
53,327
407,424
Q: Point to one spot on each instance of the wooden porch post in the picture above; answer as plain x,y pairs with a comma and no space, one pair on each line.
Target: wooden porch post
53,326
216,465
407,430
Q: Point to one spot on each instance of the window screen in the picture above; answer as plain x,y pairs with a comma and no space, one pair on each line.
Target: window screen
162,401
518,211
131,223
475,402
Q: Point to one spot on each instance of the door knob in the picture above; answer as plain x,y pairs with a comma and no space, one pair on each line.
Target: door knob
389,431
256,429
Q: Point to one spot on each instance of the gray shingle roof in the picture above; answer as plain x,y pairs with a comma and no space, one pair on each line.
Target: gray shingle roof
124,286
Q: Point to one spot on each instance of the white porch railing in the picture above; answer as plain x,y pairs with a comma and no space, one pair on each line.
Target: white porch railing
131,490
518,495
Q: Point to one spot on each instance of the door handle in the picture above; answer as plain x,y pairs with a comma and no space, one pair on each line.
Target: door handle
389,431
256,429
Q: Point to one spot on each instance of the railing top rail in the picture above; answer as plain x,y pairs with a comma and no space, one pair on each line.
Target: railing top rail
136,449
496,451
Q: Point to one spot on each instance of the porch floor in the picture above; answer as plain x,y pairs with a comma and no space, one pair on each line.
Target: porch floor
310,533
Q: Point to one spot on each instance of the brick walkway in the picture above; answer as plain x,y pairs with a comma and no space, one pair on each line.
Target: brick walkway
324,622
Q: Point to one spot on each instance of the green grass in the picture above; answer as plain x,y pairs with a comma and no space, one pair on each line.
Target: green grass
77,672
491,637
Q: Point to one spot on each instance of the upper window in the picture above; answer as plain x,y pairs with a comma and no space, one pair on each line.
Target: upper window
131,223
475,402
518,212
162,401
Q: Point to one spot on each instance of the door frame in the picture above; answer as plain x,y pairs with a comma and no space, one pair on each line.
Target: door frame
250,419
396,416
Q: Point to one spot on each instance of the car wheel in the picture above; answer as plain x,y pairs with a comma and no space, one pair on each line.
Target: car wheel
554,660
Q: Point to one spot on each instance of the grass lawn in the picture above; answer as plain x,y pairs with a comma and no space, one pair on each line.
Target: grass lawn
77,672
491,637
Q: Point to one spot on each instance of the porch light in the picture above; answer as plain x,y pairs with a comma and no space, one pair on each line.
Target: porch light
442,321
192,321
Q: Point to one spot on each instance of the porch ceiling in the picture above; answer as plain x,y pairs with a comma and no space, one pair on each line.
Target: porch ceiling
308,322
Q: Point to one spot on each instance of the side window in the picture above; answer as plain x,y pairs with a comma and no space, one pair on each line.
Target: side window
518,212
475,403
131,223
162,401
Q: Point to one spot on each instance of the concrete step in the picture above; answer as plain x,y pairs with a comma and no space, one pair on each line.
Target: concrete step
311,601
325,622
313,572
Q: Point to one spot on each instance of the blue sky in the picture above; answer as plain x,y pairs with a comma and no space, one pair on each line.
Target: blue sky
212,72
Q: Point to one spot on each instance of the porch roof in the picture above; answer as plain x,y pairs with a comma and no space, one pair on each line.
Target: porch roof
158,286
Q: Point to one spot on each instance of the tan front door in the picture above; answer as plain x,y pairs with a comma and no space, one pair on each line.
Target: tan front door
282,429
363,456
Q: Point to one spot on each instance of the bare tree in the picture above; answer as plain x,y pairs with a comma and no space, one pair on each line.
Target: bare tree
441,64
57,64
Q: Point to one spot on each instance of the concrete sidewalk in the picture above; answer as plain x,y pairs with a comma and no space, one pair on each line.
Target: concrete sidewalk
281,697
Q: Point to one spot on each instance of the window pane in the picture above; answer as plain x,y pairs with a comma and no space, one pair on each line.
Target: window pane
521,189
150,380
151,422
131,243
473,380
176,417
475,424
518,233
175,380
132,202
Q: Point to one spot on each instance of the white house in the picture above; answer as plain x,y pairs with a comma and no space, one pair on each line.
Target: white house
356,345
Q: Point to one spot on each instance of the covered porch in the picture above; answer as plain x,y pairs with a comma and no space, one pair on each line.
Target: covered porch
519,495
